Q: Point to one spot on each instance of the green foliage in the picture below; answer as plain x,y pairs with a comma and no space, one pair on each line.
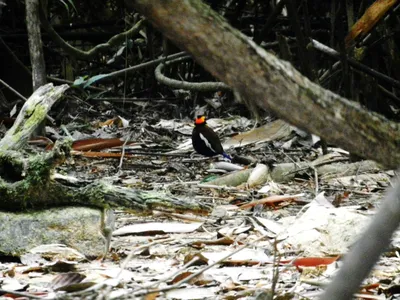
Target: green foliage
79,82
94,79
84,82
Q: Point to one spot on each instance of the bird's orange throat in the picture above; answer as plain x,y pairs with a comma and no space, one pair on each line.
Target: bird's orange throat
200,120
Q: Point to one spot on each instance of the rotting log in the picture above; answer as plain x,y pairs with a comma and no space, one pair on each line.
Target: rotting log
32,113
286,172
29,182
25,177
30,187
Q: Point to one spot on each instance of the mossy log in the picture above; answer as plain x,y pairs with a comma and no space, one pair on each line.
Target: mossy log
29,182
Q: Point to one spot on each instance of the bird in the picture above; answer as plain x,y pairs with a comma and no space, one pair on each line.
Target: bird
205,141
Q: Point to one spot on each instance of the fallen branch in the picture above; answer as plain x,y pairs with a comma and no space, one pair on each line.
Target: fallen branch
28,182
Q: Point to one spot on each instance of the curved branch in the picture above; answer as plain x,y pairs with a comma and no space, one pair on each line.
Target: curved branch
124,72
86,55
185,85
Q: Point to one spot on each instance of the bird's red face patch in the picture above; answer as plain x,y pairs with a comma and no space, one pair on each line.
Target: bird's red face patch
200,120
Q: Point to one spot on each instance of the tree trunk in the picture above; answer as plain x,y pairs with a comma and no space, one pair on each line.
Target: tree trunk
32,8
267,82
35,43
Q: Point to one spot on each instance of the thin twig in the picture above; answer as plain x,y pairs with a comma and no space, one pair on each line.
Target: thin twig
100,285
123,151
194,275
333,53
13,90
173,275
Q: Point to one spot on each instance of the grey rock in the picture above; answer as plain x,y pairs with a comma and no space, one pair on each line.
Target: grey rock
75,227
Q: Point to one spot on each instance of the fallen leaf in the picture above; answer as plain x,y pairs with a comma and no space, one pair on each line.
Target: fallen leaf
157,228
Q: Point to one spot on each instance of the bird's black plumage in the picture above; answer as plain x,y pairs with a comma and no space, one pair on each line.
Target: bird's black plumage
205,141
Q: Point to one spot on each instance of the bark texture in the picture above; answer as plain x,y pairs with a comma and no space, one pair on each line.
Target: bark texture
35,43
265,81
32,113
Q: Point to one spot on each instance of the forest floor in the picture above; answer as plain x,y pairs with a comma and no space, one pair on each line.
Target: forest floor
262,236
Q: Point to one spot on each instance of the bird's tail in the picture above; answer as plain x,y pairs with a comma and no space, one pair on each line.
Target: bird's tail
226,156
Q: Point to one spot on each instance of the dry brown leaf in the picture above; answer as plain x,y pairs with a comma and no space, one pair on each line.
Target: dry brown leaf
226,241
271,200
272,131
71,281
157,228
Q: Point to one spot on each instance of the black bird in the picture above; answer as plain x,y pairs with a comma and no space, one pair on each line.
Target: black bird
205,141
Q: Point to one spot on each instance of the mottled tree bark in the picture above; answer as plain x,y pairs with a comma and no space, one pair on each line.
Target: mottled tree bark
32,10
35,43
267,82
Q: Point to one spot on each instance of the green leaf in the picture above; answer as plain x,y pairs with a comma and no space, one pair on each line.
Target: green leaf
79,81
94,79
209,178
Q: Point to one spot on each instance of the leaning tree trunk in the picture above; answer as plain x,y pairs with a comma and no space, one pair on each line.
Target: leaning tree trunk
264,80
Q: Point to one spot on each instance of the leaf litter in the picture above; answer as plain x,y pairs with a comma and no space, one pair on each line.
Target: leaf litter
285,220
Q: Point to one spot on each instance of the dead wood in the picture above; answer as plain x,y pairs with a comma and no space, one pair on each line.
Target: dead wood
267,82
286,172
31,114
27,182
